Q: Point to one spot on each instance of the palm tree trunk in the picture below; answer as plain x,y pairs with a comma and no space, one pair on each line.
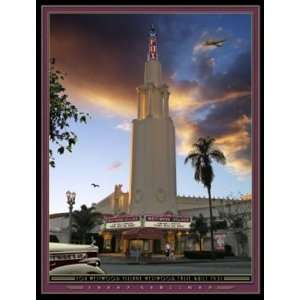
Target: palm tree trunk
200,244
211,225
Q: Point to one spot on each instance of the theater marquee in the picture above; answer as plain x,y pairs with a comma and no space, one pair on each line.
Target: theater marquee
123,222
162,222
167,222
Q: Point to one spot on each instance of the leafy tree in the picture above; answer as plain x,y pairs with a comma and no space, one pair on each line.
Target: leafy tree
62,111
199,228
237,220
202,155
85,220
219,224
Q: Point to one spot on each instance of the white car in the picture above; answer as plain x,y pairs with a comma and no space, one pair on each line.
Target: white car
76,269
74,259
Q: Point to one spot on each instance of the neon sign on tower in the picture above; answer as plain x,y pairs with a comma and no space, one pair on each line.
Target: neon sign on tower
152,44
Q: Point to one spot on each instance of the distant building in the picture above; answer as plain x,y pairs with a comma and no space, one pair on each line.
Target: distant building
59,227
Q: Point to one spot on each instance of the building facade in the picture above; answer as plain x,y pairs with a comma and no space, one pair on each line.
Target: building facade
151,214
187,206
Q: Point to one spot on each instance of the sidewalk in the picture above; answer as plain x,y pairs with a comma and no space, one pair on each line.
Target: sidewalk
161,259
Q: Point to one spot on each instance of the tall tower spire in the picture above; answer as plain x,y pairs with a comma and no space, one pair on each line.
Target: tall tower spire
152,72
152,44
153,159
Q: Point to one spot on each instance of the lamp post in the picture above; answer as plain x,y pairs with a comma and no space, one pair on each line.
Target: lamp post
71,202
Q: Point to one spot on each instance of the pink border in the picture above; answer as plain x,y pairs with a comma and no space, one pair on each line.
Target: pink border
203,288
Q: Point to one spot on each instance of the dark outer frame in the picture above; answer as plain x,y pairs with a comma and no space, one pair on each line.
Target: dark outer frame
43,286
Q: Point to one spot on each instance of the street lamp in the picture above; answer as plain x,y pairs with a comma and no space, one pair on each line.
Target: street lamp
71,202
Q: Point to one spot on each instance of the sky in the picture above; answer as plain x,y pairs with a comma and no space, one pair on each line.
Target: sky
103,57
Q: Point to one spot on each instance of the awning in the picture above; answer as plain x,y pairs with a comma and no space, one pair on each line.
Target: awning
143,234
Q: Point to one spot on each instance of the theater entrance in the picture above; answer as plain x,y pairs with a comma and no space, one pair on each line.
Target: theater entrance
157,246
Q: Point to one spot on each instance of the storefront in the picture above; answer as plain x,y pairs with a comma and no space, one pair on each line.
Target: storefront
141,239
147,233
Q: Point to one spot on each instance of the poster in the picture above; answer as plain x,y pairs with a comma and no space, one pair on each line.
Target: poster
150,121
219,242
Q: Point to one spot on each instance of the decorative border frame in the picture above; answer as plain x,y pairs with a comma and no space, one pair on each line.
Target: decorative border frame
254,287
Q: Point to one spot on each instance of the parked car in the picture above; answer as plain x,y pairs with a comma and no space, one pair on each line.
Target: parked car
92,261
78,269
74,259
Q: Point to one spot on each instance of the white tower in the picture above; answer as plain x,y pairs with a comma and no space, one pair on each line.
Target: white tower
153,161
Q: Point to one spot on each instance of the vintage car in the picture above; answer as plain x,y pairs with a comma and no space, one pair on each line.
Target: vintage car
73,258
76,269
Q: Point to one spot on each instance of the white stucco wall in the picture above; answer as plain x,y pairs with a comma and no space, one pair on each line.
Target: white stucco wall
153,158
106,206
58,226
153,175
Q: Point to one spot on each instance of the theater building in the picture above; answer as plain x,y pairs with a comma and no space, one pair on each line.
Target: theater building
151,213
146,232
122,231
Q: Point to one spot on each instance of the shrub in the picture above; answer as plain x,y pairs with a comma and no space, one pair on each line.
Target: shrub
203,254
228,250
53,239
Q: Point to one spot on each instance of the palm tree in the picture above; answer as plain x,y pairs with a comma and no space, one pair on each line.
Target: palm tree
199,227
202,155
85,220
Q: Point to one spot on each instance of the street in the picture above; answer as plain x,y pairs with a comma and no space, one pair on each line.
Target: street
243,267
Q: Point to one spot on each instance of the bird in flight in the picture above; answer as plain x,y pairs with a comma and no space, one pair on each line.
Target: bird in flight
217,43
95,185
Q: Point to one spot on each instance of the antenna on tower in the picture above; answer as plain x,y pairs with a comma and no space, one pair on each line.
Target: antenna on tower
152,31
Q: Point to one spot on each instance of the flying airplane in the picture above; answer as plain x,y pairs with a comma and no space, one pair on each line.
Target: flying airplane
217,43
95,185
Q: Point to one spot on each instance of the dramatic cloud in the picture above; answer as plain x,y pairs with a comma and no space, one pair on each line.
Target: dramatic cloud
111,62
236,79
114,166
125,126
210,91
184,96
220,107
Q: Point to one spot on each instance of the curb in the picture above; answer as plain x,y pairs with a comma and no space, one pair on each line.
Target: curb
174,262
